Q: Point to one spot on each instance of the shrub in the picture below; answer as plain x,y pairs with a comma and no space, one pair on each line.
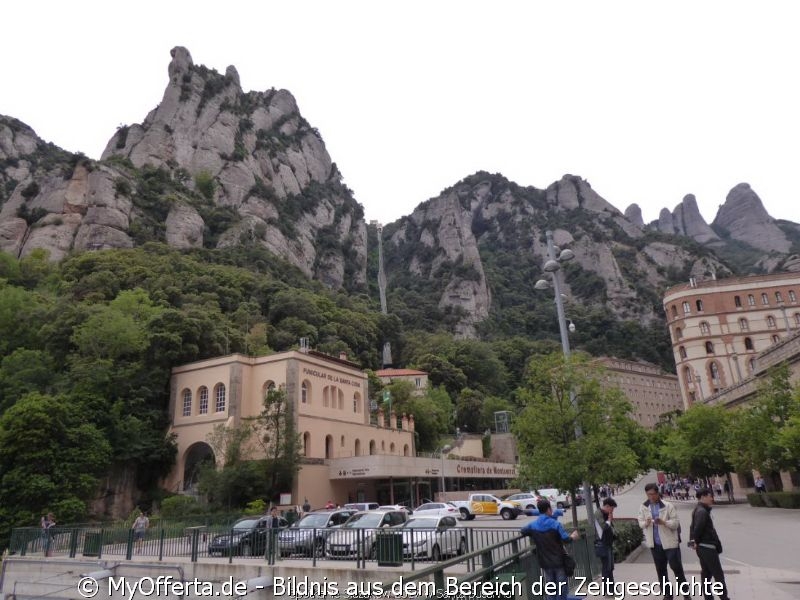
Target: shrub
756,499
178,506
256,507
629,536
30,190
204,182
785,499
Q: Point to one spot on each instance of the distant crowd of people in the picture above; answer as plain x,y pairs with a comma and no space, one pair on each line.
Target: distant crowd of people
686,488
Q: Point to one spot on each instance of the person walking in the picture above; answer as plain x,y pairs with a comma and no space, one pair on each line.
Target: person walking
604,544
306,506
139,527
659,521
549,536
704,539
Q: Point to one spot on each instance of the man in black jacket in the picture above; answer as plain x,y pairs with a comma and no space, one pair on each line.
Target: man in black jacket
604,542
704,539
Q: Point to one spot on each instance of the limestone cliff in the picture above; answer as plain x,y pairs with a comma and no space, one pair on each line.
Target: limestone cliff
686,220
744,219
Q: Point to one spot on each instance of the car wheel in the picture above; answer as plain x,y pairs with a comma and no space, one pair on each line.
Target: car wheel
506,514
247,550
471,518
436,554
462,547
318,549
464,514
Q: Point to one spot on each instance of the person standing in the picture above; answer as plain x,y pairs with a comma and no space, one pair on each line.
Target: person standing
549,536
273,525
761,486
659,521
47,523
604,544
139,527
704,539
306,506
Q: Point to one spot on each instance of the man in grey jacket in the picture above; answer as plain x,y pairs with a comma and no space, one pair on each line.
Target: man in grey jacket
659,521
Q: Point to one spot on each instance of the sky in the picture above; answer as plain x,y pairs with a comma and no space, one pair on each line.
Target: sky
647,101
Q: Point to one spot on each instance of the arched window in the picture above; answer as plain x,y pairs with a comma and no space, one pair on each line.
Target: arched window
751,300
752,364
372,447
764,299
792,296
709,348
744,325
748,343
358,448
356,402
341,441
328,446
737,301
202,397
797,319
391,448
705,329
674,311
776,339
340,393
687,374
305,390
219,394
187,402
682,352
778,297
770,321
686,308
383,446
699,305
325,394
678,333
405,450
306,444
713,370
268,385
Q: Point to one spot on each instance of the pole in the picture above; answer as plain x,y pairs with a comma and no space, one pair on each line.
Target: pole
444,491
562,327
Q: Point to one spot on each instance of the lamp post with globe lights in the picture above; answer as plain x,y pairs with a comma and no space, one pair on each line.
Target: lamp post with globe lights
553,266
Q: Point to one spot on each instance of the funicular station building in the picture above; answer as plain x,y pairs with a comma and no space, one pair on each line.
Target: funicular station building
350,453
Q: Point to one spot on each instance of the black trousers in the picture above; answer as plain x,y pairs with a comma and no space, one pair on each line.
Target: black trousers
711,567
607,565
672,557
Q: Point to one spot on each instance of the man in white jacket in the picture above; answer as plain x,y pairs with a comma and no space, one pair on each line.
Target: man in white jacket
659,521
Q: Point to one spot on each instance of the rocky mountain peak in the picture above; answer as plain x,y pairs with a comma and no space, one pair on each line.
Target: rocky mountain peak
744,218
686,220
634,214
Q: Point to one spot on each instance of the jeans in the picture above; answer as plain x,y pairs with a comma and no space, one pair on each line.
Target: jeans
558,576
672,556
711,567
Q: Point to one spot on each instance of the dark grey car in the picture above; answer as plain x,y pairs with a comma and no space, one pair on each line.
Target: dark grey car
309,534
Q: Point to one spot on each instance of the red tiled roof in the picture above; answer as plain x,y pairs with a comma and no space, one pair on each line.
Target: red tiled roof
398,372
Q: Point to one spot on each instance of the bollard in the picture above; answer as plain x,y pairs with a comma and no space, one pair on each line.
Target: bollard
129,548
195,539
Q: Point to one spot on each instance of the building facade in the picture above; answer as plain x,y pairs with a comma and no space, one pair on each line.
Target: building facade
419,379
651,391
349,453
718,327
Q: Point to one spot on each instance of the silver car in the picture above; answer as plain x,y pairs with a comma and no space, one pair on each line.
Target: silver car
433,537
309,535
437,509
356,538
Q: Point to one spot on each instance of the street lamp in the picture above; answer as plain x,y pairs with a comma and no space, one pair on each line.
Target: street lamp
553,266
444,449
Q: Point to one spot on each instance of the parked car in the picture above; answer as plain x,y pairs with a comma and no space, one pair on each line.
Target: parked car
486,504
438,509
356,538
247,537
526,500
433,537
557,498
308,535
362,505
396,507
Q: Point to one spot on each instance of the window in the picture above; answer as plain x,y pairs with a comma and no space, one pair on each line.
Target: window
372,447
687,374
699,305
674,312
764,299
737,301
306,444
341,441
792,296
704,328
203,400
709,348
678,333
743,325
219,394
418,382
797,319
778,297
686,308
752,364
391,448
682,352
748,343
187,403
356,402
405,450
304,388
358,448
714,372
340,394
776,339
770,321
328,446
751,301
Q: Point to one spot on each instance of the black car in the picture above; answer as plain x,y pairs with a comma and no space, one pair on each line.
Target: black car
247,537
308,535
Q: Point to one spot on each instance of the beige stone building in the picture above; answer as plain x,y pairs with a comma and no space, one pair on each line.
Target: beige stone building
349,454
651,391
718,327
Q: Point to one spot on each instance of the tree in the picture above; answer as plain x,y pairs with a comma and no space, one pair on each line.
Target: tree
697,444
433,418
277,435
550,453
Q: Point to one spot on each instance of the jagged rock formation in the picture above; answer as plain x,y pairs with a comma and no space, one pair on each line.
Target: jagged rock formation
210,166
686,220
634,214
744,219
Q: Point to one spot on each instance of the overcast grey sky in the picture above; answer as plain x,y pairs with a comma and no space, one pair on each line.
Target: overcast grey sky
647,101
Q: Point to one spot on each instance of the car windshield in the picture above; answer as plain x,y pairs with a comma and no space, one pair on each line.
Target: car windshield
364,520
421,524
245,524
312,521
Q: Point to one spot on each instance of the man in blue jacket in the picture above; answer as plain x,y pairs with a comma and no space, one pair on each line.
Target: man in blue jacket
549,536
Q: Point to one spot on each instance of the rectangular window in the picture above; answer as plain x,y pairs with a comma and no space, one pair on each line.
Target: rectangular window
204,401
764,299
737,301
187,403
686,308
751,300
